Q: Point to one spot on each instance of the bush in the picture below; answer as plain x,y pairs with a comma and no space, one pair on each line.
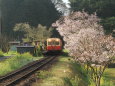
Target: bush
38,51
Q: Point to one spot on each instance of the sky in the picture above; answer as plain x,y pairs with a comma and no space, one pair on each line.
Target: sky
67,3
62,6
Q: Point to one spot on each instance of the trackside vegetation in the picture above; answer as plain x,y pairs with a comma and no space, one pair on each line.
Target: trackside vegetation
10,53
14,63
63,73
66,72
108,78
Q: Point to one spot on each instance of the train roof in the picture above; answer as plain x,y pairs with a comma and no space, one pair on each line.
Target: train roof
53,38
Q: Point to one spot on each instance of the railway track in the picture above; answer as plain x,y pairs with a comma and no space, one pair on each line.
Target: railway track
14,77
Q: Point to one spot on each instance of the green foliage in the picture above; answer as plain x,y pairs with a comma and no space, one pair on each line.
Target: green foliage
32,11
42,32
103,8
14,63
109,24
38,51
24,30
1,54
33,33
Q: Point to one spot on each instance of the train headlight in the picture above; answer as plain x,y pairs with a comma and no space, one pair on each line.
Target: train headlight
49,40
57,39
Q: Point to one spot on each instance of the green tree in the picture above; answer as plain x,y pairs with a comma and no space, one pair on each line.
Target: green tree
109,24
32,11
42,33
103,8
33,33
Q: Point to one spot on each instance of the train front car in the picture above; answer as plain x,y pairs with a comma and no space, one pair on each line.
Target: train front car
54,45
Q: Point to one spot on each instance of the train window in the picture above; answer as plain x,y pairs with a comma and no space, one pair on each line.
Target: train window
56,42
53,43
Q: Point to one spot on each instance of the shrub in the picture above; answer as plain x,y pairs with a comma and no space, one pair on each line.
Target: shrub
38,51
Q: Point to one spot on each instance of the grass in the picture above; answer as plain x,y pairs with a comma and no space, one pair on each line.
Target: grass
10,53
14,63
67,73
80,75
55,75
61,74
109,77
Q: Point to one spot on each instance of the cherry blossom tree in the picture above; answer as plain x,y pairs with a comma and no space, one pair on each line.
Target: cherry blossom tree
84,38
95,53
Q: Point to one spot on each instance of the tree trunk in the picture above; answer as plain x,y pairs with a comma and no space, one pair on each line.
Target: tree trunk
98,81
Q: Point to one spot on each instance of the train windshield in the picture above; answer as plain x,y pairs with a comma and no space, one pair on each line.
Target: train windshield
53,43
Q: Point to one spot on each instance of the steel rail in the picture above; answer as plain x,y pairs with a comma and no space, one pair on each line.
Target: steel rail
14,77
